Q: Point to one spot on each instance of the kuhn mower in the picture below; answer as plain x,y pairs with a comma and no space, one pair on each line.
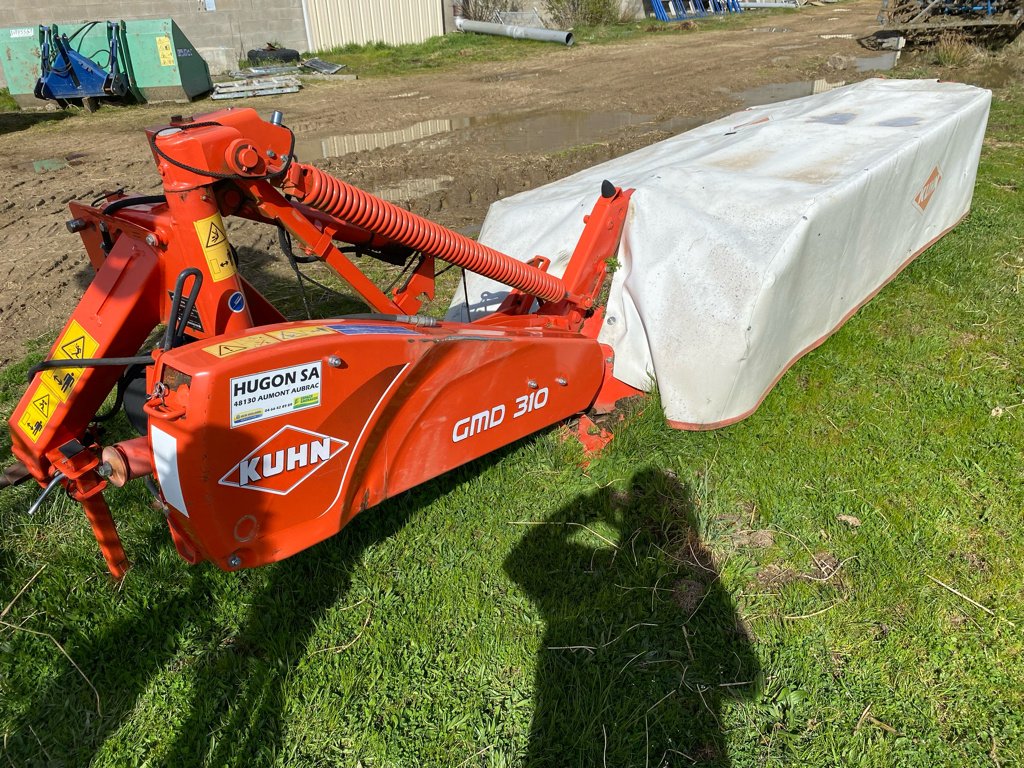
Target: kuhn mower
268,436
741,245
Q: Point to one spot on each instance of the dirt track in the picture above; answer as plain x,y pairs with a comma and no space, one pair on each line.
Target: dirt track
456,140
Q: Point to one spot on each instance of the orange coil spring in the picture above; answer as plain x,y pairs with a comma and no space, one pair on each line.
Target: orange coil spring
351,204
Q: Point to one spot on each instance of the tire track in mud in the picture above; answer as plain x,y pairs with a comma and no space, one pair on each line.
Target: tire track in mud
44,269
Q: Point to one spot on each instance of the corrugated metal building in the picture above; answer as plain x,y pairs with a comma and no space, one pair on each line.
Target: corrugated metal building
333,23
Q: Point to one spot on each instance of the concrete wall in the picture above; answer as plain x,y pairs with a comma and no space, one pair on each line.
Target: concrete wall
629,10
222,35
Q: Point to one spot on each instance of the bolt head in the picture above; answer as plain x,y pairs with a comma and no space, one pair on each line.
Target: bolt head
334,361
532,384
234,560
152,240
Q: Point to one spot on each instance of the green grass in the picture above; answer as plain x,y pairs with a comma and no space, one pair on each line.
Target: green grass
380,59
7,102
528,610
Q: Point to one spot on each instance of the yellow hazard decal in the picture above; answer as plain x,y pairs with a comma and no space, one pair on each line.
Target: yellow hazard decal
38,412
228,348
303,332
75,344
164,50
31,424
214,241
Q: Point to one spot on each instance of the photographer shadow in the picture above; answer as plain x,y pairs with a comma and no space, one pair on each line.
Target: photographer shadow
643,643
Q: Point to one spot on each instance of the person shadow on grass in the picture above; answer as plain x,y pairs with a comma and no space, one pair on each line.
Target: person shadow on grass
643,643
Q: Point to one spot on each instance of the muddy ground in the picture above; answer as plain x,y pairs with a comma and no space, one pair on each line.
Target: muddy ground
444,144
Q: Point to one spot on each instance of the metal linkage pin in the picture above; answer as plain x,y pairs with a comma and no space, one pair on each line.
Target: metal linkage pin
46,492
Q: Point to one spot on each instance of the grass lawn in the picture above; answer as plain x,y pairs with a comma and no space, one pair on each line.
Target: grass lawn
379,59
7,102
837,580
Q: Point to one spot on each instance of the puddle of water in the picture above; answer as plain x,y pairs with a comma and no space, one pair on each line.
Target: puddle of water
775,92
882,62
533,132
682,124
310,147
56,163
411,189
994,76
770,94
553,131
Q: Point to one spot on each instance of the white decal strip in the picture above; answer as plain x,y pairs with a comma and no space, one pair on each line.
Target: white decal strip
359,440
165,462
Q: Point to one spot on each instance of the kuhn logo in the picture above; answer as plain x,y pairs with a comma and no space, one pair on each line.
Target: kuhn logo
288,458
922,198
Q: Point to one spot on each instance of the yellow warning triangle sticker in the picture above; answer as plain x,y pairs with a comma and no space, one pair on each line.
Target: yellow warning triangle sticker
215,236
74,349
43,404
230,349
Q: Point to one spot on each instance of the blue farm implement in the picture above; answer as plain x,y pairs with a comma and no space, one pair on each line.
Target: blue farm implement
924,19
68,76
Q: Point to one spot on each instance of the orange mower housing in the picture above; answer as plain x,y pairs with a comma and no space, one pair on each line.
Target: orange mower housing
266,436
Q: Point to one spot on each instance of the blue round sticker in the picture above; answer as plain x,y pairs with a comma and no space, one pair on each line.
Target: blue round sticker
236,301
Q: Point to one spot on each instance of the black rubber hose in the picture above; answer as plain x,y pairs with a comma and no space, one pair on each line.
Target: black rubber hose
284,240
173,334
88,362
190,304
126,202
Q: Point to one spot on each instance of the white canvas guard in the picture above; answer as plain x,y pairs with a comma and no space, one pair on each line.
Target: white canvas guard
751,239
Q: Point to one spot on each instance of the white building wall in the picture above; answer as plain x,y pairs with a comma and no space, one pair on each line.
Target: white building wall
334,23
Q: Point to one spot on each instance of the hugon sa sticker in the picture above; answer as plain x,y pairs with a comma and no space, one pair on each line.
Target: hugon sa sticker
266,394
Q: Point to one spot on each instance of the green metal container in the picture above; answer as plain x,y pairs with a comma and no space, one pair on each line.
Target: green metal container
165,65
19,57
162,64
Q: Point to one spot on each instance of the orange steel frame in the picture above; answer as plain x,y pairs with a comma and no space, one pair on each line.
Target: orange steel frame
389,400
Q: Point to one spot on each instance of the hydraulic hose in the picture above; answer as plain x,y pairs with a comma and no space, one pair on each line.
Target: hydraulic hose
319,190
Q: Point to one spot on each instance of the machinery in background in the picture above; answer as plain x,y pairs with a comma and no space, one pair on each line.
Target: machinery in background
69,77
924,19
85,64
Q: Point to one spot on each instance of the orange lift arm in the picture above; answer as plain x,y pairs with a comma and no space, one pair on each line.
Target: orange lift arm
266,436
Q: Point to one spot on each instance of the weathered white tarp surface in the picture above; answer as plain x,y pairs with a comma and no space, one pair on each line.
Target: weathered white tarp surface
751,239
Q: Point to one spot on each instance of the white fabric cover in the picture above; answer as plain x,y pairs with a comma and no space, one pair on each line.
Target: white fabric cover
751,239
